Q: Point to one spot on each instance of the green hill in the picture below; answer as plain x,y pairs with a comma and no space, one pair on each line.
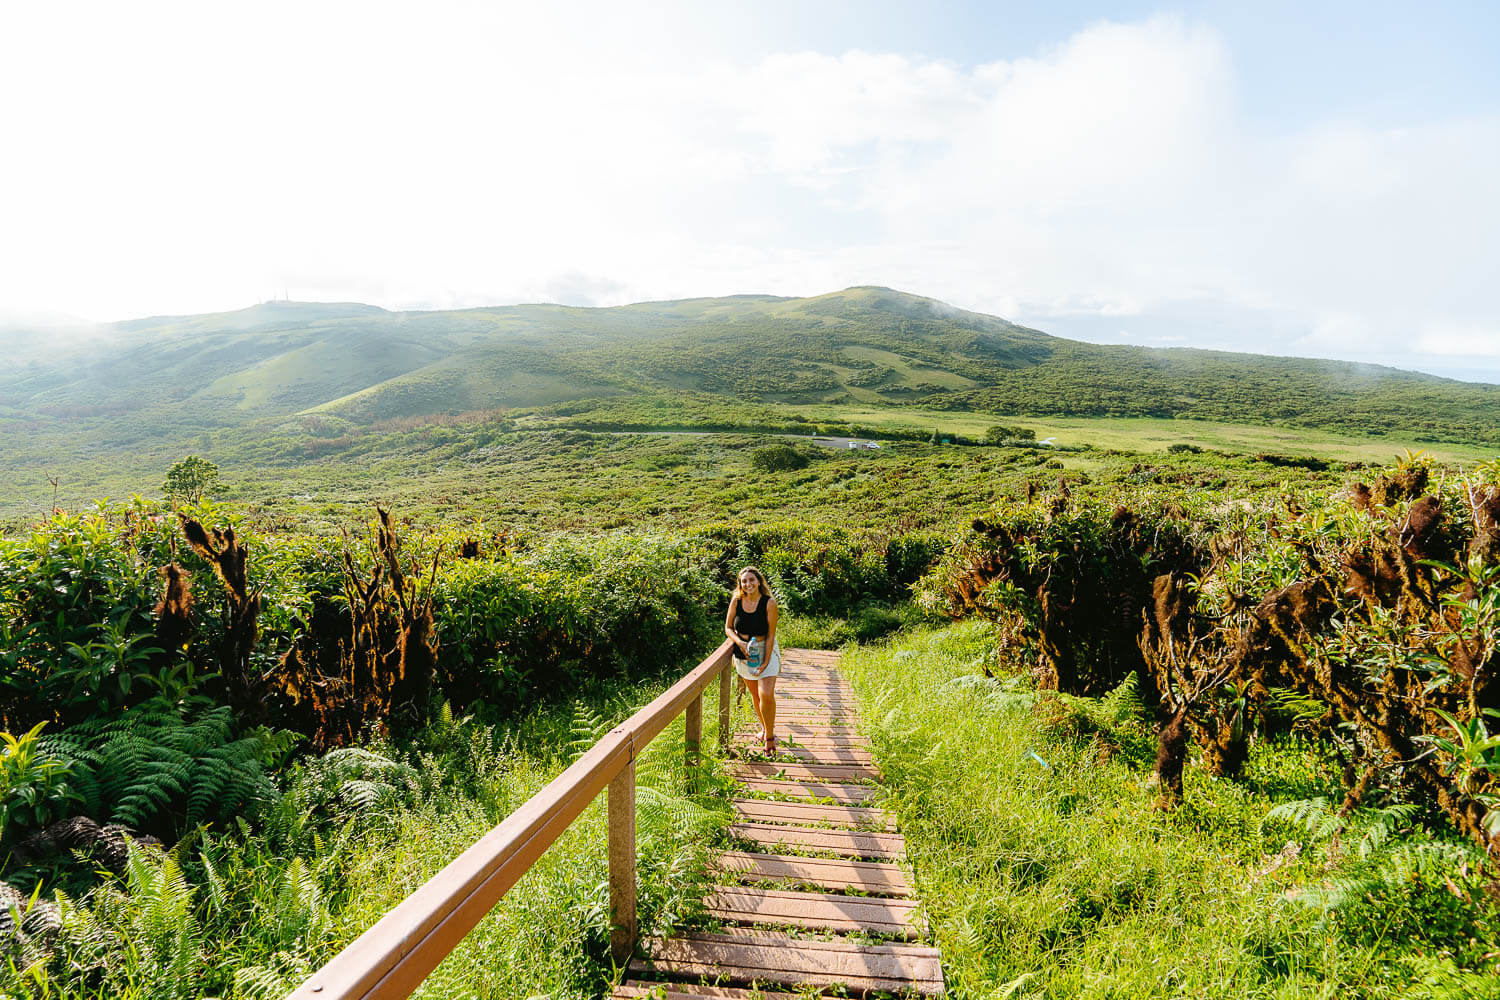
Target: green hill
349,365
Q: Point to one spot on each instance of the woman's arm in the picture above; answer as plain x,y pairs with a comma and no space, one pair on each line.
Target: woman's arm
731,633
765,653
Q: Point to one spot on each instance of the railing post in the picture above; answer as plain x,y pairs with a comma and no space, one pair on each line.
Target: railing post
726,688
693,742
622,919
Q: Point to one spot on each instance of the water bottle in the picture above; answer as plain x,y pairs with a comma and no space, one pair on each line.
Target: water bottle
752,659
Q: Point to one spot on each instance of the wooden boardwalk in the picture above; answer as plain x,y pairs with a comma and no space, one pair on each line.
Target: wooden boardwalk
817,895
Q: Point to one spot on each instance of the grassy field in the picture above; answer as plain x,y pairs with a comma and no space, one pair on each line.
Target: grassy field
1047,871
546,480
322,868
1150,434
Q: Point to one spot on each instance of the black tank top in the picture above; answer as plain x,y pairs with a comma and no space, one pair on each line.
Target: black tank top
751,624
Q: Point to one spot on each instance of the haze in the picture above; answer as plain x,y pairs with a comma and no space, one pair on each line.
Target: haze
1278,181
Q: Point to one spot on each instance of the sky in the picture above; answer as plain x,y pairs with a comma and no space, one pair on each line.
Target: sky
1312,179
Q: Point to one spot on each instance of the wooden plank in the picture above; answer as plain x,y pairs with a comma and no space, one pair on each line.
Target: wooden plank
844,843
853,742
620,805
813,755
726,686
638,989
852,795
815,699
812,712
825,911
829,873
816,728
802,772
745,741
804,813
760,956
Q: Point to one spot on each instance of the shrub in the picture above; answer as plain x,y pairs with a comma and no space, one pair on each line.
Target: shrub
517,628
1001,434
33,785
778,458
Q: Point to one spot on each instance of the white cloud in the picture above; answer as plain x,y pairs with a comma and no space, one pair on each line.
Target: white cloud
188,160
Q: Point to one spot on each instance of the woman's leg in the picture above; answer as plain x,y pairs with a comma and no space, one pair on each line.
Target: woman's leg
767,706
751,686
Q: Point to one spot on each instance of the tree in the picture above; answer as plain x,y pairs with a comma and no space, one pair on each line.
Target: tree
1000,433
191,479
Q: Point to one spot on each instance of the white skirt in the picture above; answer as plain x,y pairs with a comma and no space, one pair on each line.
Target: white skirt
773,668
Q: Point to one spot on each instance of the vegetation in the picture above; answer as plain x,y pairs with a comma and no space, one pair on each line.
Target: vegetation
1215,713
191,479
1047,869
1374,609
282,382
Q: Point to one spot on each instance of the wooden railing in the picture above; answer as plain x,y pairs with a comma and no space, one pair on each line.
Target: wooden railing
391,959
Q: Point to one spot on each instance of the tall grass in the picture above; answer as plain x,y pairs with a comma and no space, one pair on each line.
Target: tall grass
1047,871
249,913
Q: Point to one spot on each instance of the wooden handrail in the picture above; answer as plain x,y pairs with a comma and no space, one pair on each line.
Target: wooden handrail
392,958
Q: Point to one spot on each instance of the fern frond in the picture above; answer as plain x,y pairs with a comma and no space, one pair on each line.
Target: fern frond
1316,816
1124,704
587,728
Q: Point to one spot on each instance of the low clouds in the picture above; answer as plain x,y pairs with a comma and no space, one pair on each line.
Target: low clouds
1107,187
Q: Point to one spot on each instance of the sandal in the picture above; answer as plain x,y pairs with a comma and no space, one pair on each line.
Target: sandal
770,746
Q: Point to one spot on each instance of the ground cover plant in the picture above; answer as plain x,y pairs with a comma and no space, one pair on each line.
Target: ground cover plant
1047,868
222,743
1374,605
263,390
251,907
208,707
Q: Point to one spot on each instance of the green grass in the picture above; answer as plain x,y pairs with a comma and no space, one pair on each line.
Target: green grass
287,897
1155,434
1046,870
555,477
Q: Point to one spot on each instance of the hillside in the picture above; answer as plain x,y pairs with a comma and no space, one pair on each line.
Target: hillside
348,365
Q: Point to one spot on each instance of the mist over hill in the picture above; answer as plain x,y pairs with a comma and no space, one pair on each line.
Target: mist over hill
352,364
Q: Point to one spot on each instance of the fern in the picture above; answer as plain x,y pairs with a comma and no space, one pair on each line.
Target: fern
213,882
1392,872
355,785
299,911
155,769
1316,816
161,905
588,727
998,693
257,982
1124,704
1294,705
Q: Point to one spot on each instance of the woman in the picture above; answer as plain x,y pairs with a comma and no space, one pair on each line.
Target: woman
751,623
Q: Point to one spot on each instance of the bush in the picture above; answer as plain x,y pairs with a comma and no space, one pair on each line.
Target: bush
515,628
778,458
1001,434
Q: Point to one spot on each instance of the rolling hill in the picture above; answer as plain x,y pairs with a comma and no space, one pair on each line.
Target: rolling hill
344,365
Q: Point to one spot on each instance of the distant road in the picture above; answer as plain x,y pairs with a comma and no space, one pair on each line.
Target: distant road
860,444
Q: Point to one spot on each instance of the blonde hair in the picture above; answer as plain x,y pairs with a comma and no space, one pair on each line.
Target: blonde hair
765,588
